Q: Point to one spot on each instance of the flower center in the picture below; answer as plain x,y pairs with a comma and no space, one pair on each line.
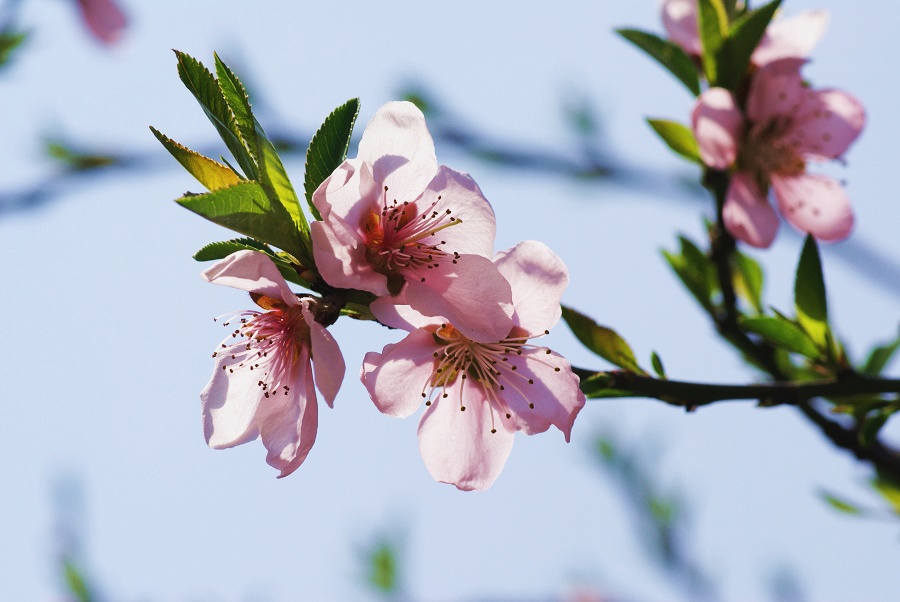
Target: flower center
271,343
399,237
487,365
767,150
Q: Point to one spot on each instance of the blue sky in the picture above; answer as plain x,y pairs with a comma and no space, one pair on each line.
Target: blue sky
109,330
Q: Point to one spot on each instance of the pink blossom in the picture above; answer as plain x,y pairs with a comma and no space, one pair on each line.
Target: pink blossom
264,384
395,223
478,394
104,18
785,125
792,37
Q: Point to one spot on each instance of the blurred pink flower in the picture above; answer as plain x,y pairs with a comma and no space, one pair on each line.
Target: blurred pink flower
263,383
792,37
785,124
478,394
104,18
395,223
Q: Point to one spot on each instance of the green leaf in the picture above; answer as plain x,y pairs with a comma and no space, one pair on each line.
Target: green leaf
839,504
597,386
748,277
236,97
212,174
657,364
247,209
746,32
871,426
277,185
383,572
889,490
678,137
783,334
668,54
809,294
221,250
201,83
9,42
696,272
603,341
712,25
880,356
328,148
76,583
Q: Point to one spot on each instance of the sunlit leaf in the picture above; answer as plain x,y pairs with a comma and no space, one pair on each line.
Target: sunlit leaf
212,174
748,276
76,583
696,272
328,148
221,250
809,294
839,504
668,54
712,20
246,209
880,356
603,341
782,334
678,137
889,490
236,97
203,85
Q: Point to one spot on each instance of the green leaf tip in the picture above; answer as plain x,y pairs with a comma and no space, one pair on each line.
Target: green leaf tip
809,294
678,137
601,340
328,148
666,53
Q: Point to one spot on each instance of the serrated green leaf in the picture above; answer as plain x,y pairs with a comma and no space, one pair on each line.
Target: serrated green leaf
880,356
748,277
236,97
9,42
657,364
601,340
839,504
212,174
666,53
782,334
201,83
221,250
712,25
247,209
809,294
328,148
733,57
277,184
678,137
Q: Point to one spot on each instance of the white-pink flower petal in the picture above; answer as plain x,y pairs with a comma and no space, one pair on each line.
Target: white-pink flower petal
538,279
397,377
717,123
815,204
828,124
251,271
747,214
679,19
791,37
467,449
